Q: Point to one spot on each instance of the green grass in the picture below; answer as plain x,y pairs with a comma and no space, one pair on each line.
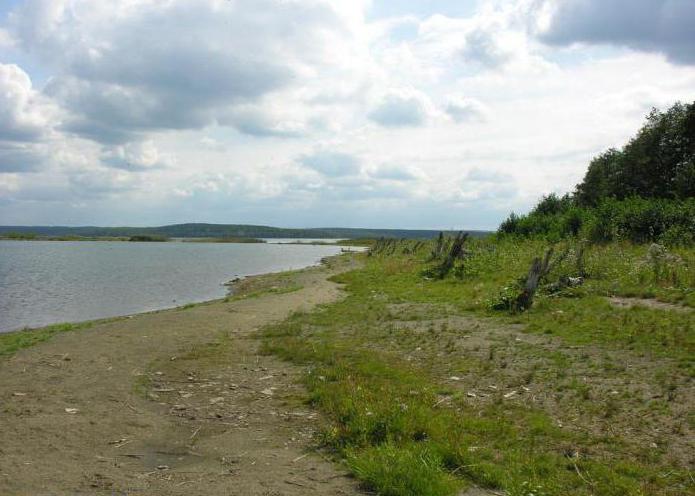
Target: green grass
389,469
142,383
405,432
593,320
266,291
12,342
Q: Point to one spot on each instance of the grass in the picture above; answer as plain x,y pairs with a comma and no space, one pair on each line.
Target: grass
593,320
11,342
262,292
428,390
380,365
264,284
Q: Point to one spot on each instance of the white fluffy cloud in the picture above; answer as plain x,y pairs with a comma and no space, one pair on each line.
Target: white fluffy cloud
462,109
127,67
25,122
402,108
142,155
301,112
24,115
331,163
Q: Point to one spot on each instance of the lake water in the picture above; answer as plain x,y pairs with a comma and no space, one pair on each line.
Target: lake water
45,282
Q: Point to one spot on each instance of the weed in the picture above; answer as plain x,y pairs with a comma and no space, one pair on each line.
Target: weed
383,398
11,342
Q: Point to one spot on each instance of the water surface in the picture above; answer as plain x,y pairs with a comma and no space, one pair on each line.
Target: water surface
44,282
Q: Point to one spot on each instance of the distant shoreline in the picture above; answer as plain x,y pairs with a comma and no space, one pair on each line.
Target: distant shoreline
123,239
168,240
131,239
244,231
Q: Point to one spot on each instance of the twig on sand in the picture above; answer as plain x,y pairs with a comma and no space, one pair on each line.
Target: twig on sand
196,432
300,457
287,481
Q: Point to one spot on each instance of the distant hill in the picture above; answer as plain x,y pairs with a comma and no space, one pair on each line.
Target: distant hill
201,230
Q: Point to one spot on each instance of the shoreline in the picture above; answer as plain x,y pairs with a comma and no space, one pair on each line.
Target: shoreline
429,360
347,242
153,403
230,286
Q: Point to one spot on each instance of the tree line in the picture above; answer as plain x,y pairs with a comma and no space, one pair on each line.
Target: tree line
643,192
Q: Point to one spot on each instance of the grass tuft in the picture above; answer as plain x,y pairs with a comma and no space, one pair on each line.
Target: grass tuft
379,364
11,342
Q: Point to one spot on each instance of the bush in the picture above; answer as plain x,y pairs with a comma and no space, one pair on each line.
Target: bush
147,238
678,235
640,220
643,220
643,193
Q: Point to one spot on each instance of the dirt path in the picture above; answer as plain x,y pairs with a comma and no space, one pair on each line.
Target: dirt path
167,403
623,302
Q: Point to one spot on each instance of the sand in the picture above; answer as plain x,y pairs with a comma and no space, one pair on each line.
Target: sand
153,404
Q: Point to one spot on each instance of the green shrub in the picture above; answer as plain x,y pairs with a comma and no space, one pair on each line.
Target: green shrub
643,193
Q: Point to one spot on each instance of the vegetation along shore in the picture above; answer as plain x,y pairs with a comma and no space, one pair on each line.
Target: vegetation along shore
554,357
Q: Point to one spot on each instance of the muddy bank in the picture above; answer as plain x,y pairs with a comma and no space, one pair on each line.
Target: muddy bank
172,402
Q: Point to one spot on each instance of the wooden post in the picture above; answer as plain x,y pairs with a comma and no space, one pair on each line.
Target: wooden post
539,269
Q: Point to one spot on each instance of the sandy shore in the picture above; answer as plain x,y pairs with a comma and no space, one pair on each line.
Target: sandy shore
171,402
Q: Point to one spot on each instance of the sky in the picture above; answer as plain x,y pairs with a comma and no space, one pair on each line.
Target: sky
314,113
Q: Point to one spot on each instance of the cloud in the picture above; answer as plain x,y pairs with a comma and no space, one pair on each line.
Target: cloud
401,108
101,183
9,183
396,173
125,68
482,46
332,164
23,113
479,175
307,112
136,156
115,114
664,26
21,157
262,122
465,109
212,144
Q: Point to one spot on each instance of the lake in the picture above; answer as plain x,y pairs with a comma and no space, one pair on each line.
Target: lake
45,282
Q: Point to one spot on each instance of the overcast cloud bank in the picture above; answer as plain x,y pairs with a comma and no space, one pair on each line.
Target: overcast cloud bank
321,112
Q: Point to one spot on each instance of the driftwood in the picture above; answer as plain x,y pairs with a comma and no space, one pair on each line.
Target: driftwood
539,269
438,247
454,252
581,268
